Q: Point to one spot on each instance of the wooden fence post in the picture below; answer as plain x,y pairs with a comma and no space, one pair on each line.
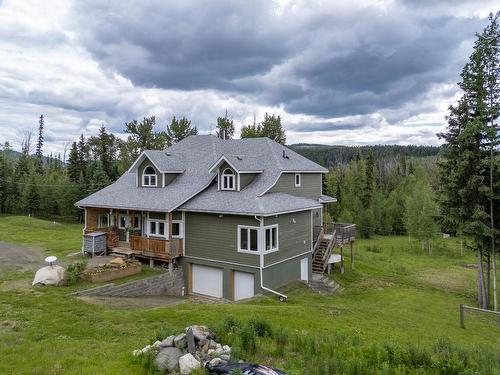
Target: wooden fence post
462,325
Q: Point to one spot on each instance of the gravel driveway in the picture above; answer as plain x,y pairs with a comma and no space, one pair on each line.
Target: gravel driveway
15,257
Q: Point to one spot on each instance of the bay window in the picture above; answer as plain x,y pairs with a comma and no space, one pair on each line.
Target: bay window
249,239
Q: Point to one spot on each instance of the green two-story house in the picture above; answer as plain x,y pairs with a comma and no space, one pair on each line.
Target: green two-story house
237,215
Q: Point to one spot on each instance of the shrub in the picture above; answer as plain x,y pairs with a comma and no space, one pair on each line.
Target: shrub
73,272
248,340
261,327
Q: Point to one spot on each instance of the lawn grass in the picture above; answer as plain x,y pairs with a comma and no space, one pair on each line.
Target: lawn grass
397,293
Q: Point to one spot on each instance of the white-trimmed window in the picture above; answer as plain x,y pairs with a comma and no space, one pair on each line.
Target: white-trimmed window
125,221
297,179
102,221
149,177
177,229
228,180
271,238
157,228
248,239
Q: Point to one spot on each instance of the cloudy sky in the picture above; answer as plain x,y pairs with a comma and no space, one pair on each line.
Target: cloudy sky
338,72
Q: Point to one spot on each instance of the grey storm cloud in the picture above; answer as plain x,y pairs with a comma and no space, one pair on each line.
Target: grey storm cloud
322,63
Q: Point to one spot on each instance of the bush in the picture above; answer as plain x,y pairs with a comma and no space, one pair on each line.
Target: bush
261,327
248,340
73,272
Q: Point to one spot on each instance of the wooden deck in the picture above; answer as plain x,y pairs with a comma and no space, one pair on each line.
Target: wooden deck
151,248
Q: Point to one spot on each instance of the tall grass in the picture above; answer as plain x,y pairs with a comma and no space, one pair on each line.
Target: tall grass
256,340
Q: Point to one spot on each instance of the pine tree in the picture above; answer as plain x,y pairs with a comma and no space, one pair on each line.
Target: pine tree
73,164
225,127
99,179
467,166
5,180
82,156
179,129
32,199
39,145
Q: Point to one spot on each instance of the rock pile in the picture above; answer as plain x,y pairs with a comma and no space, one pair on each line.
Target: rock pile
187,351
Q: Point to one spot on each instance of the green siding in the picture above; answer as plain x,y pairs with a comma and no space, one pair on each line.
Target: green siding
143,166
310,186
213,237
246,178
284,273
293,237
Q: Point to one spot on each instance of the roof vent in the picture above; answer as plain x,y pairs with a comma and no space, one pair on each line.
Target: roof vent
285,155
168,153
239,158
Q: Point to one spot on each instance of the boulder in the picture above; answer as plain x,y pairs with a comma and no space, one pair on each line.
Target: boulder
49,275
117,261
226,348
169,341
225,357
168,359
200,332
216,362
180,341
190,341
188,363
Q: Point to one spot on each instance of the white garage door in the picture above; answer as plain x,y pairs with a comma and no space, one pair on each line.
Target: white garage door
243,285
207,280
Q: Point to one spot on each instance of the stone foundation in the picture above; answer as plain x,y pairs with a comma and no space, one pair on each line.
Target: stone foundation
168,283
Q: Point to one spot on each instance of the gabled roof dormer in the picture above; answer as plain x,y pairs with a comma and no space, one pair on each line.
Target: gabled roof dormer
230,169
154,169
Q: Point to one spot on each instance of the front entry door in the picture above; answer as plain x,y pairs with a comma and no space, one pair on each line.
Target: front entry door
123,224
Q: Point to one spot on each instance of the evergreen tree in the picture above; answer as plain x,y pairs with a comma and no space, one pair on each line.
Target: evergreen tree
39,145
82,156
73,164
369,180
251,131
99,179
225,127
32,198
468,165
179,129
5,180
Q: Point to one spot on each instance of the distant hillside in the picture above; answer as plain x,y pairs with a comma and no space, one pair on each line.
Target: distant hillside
331,155
12,155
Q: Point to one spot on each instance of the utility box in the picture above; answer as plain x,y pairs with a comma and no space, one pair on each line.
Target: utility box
94,243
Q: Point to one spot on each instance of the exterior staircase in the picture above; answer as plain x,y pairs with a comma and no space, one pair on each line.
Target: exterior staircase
322,251
323,284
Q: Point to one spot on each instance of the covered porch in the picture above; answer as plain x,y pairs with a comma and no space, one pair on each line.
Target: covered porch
141,234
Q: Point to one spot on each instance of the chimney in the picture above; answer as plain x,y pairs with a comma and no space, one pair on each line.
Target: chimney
285,156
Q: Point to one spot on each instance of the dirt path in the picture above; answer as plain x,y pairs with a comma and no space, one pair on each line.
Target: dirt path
15,257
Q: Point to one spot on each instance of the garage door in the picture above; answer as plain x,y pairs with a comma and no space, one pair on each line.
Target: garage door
207,280
243,285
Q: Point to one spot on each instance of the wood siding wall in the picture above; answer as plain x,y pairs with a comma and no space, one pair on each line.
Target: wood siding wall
310,186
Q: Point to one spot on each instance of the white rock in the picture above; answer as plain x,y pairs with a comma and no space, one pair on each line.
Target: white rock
216,361
226,348
49,275
169,341
137,352
157,343
199,332
217,345
212,352
225,357
219,351
188,363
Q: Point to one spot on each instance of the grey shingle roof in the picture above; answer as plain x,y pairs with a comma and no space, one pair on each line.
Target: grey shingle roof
195,155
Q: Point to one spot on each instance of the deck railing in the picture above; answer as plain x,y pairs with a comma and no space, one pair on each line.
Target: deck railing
344,232
157,247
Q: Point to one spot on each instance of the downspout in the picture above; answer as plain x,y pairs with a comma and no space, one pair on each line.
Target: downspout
281,297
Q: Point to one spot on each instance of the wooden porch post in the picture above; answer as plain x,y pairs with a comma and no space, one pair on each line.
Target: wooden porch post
352,256
170,216
342,259
325,208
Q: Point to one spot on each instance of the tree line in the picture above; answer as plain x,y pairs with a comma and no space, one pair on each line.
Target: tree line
48,186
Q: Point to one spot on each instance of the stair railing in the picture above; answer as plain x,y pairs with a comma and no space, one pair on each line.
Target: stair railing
328,252
318,242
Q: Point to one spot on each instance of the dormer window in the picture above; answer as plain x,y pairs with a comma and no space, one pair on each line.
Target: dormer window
228,180
149,177
297,179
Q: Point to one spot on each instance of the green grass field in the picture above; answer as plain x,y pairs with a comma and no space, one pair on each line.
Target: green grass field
397,294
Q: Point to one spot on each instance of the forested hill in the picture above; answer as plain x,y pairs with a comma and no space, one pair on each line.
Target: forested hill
332,155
